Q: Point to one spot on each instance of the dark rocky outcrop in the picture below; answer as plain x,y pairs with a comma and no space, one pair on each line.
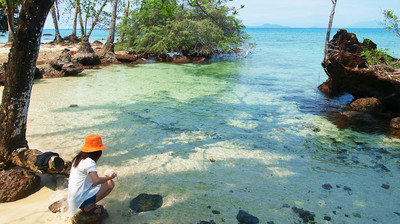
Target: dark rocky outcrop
16,184
86,55
348,72
71,68
60,66
146,202
72,39
244,217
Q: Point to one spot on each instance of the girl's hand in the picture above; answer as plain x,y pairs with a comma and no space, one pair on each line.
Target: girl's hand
110,174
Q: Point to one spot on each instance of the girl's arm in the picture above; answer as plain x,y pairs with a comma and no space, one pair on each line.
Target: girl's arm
99,180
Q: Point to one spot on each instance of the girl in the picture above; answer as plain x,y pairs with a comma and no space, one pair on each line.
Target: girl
85,187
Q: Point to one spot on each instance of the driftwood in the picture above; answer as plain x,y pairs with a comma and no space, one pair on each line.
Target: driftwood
26,158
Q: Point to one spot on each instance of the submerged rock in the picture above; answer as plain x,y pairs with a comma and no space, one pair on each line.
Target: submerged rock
305,215
16,184
146,202
327,186
246,218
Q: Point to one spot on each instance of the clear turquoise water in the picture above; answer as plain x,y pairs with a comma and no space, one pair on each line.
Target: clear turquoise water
252,133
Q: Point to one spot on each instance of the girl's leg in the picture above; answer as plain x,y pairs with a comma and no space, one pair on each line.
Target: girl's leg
105,190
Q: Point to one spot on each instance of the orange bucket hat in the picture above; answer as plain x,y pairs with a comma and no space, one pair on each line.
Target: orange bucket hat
93,143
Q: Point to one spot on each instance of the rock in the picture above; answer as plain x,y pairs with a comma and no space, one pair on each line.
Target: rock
72,39
198,60
395,123
303,214
369,105
180,59
86,58
347,72
58,206
63,58
47,71
359,116
97,42
246,218
108,57
85,218
385,186
128,58
327,218
16,184
146,202
71,68
327,186
205,222
86,55
215,212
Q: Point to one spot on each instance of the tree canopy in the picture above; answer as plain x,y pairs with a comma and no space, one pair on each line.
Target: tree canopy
391,22
193,29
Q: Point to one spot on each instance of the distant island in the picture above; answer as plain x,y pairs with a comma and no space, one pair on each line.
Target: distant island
362,24
267,25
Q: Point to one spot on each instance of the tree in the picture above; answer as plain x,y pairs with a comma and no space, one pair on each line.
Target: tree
58,37
194,30
328,33
10,6
391,22
125,18
109,45
19,77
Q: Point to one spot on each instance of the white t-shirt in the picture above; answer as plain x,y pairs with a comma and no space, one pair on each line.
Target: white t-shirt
80,185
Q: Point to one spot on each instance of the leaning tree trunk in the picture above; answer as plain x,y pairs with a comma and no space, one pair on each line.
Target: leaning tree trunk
109,45
58,38
10,23
19,77
328,33
126,13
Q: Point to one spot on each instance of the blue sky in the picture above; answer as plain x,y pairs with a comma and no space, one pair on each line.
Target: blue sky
305,13
310,13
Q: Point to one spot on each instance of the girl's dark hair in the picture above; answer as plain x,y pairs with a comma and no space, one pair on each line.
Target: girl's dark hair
83,155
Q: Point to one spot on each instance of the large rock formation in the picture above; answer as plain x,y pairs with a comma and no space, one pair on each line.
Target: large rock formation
16,184
348,72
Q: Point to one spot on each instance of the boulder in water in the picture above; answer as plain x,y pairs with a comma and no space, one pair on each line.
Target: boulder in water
146,202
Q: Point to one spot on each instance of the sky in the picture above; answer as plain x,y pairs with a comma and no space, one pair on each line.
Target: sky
313,13
304,13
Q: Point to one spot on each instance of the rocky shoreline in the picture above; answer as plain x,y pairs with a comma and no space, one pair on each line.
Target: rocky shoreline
376,93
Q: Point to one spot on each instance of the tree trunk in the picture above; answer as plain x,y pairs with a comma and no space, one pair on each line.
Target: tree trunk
126,13
83,31
10,22
328,33
19,77
58,38
109,45
75,19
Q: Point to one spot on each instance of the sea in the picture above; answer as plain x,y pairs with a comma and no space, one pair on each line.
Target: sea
246,132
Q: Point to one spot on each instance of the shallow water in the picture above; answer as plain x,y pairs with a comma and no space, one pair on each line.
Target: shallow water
252,134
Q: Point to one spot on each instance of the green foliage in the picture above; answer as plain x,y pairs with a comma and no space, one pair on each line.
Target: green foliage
391,22
379,59
192,30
